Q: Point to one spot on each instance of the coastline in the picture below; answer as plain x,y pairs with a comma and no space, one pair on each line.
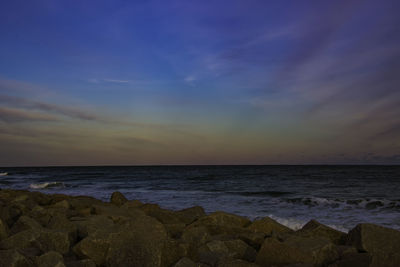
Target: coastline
38,229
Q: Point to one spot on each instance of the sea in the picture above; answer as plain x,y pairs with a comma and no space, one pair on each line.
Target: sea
338,196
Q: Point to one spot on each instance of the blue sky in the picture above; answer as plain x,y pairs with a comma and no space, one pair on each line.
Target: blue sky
199,82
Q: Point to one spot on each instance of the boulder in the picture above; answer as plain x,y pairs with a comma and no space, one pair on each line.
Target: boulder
297,250
175,230
316,229
4,231
190,215
83,202
236,263
81,263
25,223
238,249
54,240
224,219
94,247
60,223
268,227
94,224
40,198
50,259
353,260
276,253
173,251
12,258
21,240
118,199
321,249
140,242
162,215
185,262
64,204
382,243
196,236
253,239
132,204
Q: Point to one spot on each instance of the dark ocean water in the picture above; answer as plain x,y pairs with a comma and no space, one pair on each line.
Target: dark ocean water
340,196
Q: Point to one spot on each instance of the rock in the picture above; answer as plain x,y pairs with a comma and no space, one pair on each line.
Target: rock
276,253
162,215
62,204
25,223
81,263
297,250
222,219
50,259
185,262
316,229
86,212
190,215
268,227
354,260
175,230
40,198
55,240
62,224
238,249
12,258
4,231
94,224
173,251
322,250
83,202
196,236
21,240
253,239
94,247
235,263
118,199
382,243
140,242
117,213
132,204
9,214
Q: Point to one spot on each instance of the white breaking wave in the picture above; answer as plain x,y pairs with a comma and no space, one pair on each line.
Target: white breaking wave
3,173
47,185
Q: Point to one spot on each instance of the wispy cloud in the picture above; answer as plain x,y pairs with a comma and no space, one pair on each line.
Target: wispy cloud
72,112
116,81
18,115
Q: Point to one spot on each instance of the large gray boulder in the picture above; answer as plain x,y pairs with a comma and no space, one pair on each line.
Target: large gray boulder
316,229
118,199
382,243
297,250
12,258
268,227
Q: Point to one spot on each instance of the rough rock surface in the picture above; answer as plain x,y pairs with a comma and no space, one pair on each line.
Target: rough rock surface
382,243
59,230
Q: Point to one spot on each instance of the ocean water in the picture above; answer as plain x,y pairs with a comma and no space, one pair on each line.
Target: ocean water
339,196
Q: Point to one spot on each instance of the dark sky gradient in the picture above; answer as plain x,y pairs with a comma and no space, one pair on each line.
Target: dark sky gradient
199,82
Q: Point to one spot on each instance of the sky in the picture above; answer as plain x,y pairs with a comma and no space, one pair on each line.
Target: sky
199,82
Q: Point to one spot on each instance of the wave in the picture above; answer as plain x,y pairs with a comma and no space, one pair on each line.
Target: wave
3,173
47,185
366,203
261,193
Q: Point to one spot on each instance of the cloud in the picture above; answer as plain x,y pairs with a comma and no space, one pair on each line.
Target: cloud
115,81
18,115
71,112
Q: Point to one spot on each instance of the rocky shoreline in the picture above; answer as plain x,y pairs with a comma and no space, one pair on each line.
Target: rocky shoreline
37,229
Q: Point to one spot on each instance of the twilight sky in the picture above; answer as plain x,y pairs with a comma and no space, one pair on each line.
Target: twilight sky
199,82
